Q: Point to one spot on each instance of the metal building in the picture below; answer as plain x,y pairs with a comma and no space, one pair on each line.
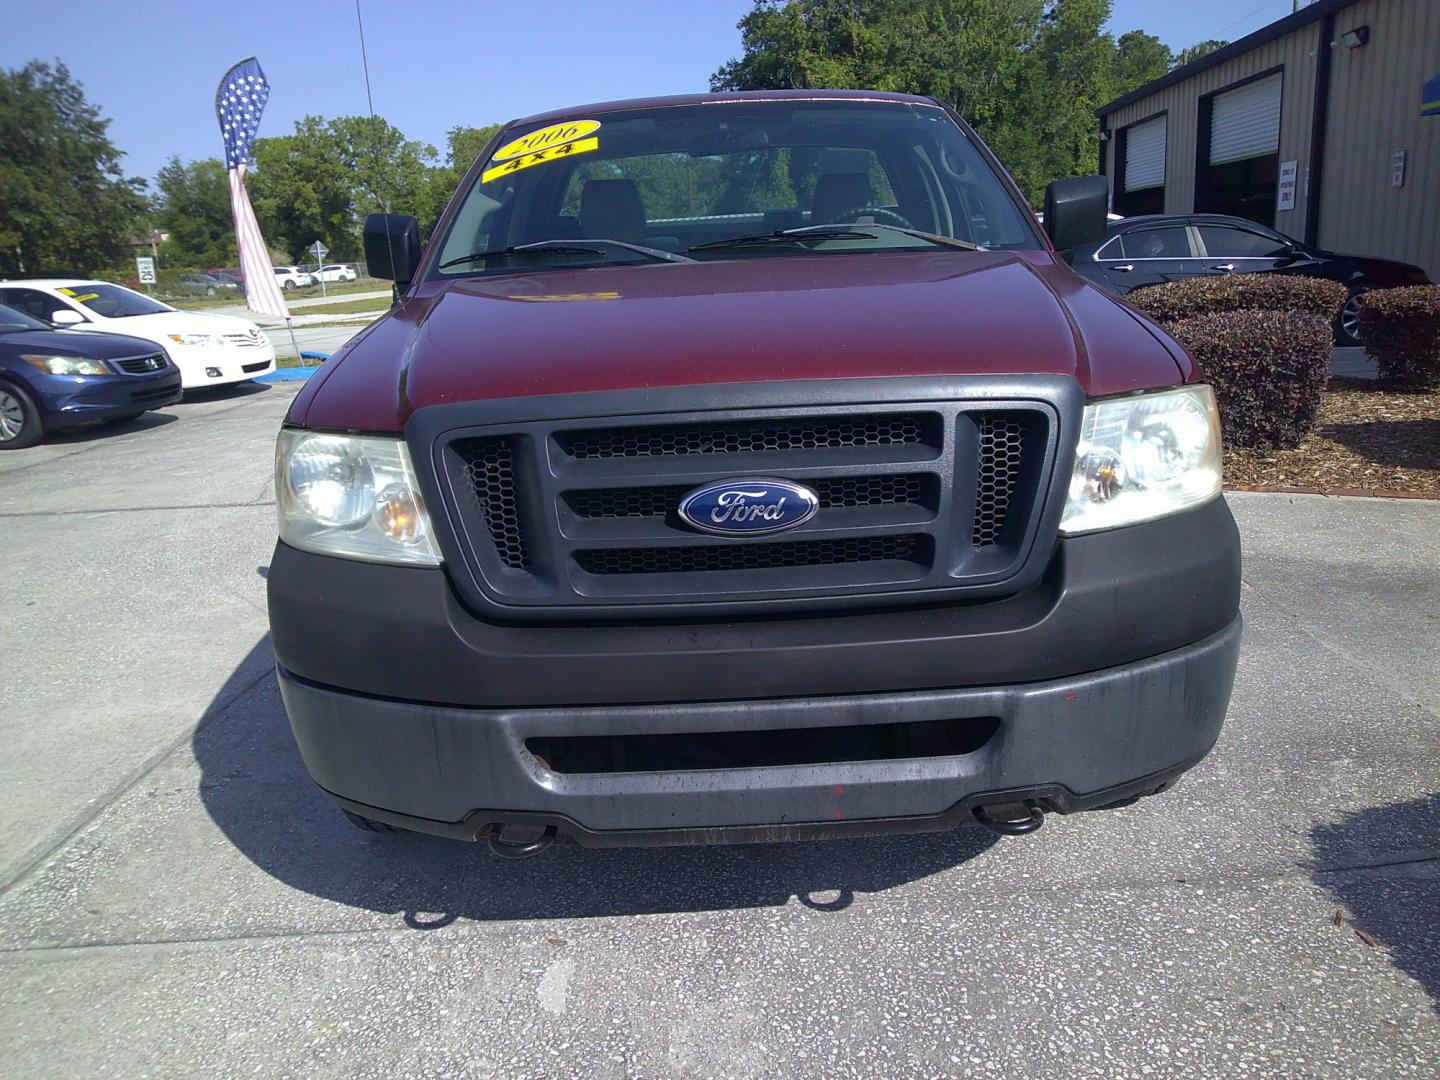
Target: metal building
1324,125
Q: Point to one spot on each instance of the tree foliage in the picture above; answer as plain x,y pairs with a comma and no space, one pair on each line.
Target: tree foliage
65,204
192,206
1028,74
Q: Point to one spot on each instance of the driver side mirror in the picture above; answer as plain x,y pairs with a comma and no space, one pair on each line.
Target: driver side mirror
1075,211
392,247
66,317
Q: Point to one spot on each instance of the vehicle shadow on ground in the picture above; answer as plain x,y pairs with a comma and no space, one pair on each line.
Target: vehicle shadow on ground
1399,443
149,421
206,395
254,786
1380,865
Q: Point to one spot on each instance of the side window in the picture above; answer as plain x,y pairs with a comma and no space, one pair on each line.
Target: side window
1111,249
32,303
1169,243
1225,242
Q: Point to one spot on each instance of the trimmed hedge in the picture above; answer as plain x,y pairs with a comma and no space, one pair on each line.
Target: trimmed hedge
1268,369
1175,300
1400,328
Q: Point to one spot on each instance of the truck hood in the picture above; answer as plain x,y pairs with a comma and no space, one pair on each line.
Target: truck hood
743,320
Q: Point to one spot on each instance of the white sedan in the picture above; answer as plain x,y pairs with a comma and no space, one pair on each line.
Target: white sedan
209,350
335,272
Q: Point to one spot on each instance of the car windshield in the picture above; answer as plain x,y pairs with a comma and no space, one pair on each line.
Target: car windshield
17,322
113,301
730,180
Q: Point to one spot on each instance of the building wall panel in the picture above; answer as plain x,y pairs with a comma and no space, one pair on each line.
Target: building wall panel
1375,94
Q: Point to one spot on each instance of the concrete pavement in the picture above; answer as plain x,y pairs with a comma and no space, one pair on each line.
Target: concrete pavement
176,898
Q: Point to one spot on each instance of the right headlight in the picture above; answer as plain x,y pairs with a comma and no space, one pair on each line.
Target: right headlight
1144,457
353,496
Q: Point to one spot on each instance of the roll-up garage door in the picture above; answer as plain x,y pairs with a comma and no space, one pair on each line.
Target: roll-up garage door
1145,155
1245,123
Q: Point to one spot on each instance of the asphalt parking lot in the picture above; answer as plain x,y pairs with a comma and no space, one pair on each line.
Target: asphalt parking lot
176,898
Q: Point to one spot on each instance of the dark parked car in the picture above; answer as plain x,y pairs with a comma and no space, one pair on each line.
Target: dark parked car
207,284
52,379
1168,247
749,467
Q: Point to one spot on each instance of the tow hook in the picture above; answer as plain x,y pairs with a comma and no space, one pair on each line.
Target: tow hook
1019,827
507,849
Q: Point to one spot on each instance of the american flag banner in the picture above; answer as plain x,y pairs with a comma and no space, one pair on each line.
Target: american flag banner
238,104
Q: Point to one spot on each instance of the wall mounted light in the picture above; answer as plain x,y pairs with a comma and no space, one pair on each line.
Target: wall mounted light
1353,39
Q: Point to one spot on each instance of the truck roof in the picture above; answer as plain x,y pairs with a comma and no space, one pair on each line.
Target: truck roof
721,98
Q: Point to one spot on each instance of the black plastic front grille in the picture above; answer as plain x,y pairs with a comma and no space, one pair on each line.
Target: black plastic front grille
835,491
673,440
140,365
752,556
915,495
1001,456
489,473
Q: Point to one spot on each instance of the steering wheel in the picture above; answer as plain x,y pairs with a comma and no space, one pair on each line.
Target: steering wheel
881,215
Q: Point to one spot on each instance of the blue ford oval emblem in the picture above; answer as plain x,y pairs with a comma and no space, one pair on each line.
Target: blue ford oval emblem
748,507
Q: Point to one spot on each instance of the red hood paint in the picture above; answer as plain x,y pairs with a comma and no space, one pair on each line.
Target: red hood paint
742,320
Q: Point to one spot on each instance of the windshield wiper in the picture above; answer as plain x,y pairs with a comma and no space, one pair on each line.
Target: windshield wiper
934,238
830,232
569,247
786,236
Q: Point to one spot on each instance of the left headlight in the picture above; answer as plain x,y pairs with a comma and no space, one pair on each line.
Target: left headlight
1144,457
66,365
197,339
351,495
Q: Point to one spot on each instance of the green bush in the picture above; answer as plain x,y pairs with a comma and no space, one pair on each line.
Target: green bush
1176,300
1400,328
1268,369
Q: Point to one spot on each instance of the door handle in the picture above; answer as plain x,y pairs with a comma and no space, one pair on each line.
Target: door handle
1227,267
1123,268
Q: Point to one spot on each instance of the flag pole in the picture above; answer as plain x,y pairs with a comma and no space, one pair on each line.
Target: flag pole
294,344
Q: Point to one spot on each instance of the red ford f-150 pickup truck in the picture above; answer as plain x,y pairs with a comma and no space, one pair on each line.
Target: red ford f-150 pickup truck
748,466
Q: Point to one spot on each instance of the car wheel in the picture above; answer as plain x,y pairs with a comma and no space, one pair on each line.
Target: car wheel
19,419
1347,323
287,286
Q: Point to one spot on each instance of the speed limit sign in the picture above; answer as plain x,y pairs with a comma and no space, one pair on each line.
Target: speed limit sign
145,269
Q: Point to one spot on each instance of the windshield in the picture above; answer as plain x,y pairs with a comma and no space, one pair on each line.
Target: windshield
113,301
713,181
15,322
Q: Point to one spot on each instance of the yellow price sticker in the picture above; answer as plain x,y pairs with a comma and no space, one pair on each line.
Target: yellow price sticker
539,157
546,138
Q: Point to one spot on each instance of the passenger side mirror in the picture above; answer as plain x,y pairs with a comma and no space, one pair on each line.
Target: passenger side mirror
66,317
1075,211
392,247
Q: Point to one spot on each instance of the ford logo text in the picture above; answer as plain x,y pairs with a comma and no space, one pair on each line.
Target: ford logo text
748,507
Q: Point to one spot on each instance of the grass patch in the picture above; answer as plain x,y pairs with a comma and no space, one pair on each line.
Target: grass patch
228,299
1370,438
345,307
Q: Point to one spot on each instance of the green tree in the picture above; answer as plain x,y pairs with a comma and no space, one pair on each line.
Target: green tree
193,207
303,192
463,146
65,205
1196,51
1028,74
1139,57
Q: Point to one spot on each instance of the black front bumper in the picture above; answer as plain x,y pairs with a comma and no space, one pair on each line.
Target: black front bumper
1107,678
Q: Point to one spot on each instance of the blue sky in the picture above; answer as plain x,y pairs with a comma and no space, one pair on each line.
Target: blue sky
153,68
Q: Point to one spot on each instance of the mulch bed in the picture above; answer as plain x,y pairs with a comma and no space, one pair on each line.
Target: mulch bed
1370,441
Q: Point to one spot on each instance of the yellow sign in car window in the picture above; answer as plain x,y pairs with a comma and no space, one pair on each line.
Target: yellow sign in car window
549,153
546,138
